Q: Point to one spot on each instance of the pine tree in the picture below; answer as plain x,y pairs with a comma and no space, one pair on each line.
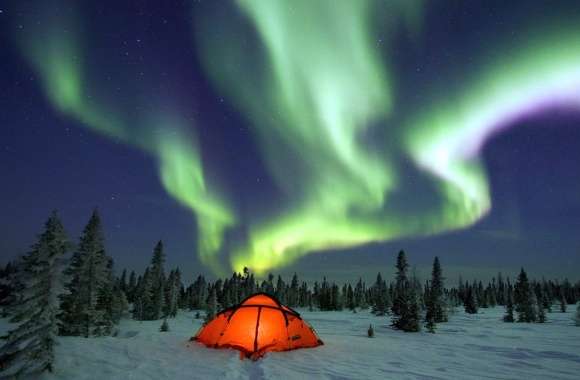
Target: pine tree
29,347
509,316
85,309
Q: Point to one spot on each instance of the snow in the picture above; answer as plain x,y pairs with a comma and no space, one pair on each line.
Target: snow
468,347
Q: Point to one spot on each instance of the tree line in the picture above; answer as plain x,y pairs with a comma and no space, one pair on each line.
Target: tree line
47,293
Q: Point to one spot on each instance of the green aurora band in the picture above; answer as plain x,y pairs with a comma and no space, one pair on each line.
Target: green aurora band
59,59
314,92
320,85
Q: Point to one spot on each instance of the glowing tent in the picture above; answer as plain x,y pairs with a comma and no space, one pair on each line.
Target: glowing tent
257,325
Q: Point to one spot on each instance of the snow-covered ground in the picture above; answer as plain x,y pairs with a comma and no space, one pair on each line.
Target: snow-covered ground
468,347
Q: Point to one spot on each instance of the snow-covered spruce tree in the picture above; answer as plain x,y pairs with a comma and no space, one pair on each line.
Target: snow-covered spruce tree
509,314
86,306
29,348
523,299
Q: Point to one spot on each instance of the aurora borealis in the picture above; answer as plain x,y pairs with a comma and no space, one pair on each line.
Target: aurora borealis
368,118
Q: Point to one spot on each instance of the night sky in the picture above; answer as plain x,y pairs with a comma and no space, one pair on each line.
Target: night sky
256,133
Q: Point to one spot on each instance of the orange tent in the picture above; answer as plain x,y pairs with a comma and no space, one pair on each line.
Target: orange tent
257,325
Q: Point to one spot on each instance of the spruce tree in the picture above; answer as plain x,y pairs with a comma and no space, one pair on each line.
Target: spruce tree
577,316
436,293
172,287
470,304
119,304
123,281
412,317
406,303
85,307
131,286
430,313
10,285
401,284
293,291
523,299
509,315
380,297
562,300
541,312
154,309
29,347
211,308
105,304
143,295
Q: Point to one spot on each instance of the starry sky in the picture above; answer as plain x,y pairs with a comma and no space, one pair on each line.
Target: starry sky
310,136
